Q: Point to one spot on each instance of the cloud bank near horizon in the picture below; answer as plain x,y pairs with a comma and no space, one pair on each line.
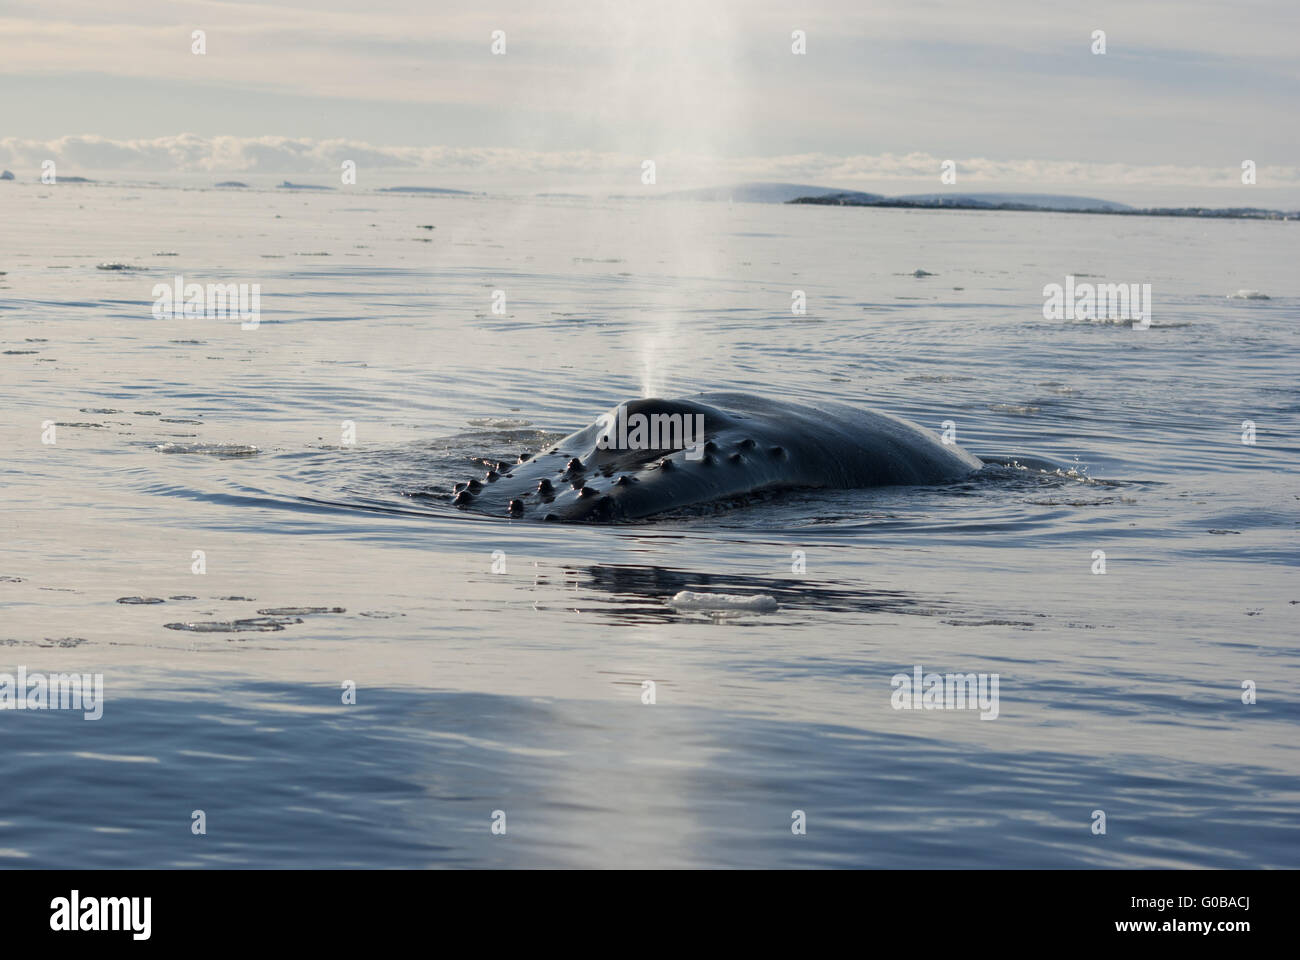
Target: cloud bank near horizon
289,156
1185,90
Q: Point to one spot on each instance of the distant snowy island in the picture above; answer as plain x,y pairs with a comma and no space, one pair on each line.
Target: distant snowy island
794,193
1039,202
800,193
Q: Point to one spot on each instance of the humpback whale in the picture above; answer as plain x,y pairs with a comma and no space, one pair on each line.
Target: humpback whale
650,456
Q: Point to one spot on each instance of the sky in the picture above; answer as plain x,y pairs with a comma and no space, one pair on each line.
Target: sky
710,90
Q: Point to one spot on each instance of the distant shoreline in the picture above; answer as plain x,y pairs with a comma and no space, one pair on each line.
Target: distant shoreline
760,192
1210,213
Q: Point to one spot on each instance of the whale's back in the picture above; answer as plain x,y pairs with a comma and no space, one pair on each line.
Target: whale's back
843,446
749,445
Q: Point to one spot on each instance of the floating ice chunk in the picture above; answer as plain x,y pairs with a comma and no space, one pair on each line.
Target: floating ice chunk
298,611
210,449
1248,295
761,603
256,624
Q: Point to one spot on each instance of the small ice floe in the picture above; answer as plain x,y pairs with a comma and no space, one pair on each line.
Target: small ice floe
298,611
1248,295
254,624
210,449
501,423
723,602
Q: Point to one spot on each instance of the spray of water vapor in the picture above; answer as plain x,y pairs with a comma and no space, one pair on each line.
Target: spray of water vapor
669,93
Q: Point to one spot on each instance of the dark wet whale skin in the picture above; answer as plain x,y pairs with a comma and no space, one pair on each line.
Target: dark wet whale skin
754,445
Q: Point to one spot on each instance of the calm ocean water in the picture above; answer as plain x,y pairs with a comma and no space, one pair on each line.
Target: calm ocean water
499,665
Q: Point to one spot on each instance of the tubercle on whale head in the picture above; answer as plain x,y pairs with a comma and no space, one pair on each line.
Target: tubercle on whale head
591,506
